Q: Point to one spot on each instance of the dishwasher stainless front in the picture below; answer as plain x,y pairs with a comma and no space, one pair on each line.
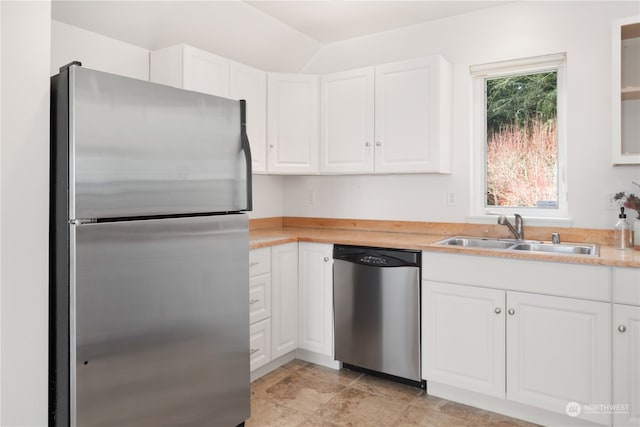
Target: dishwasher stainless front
376,297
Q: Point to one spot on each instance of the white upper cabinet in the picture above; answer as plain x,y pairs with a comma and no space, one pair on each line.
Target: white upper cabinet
346,115
413,116
392,118
250,84
190,68
626,91
187,67
410,131
292,123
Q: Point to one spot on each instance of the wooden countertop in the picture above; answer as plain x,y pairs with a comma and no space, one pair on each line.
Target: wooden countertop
425,242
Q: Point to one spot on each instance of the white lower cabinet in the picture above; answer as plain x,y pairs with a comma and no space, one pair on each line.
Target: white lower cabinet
488,331
284,320
315,298
558,351
273,302
259,298
463,332
260,344
626,365
259,307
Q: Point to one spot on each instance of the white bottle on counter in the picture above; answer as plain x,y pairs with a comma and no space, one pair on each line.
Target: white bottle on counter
622,232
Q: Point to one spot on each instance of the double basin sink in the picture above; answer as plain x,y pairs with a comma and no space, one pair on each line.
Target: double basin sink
523,245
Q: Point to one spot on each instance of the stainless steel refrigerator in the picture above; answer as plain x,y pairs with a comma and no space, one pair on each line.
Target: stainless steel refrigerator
149,289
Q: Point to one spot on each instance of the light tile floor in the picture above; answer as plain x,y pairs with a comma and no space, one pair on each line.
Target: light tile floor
303,394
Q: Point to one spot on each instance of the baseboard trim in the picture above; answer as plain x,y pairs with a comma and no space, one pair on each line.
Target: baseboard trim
318,359
505,407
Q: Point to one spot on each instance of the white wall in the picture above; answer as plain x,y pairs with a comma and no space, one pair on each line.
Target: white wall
24,211
232,29
515,30
69,43
268,196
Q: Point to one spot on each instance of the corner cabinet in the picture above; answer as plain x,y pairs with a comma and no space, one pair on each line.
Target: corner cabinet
315,301
392,118
292,123
626,91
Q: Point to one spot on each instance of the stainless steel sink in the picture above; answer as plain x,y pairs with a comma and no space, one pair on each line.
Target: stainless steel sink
563,248
525,245
478,242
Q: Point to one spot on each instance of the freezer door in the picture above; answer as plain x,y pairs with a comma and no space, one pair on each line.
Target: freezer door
141,149
160,323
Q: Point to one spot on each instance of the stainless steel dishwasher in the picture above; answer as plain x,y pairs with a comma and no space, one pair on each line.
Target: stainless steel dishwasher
376,298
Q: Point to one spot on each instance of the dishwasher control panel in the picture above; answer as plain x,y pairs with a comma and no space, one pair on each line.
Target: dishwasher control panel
372,259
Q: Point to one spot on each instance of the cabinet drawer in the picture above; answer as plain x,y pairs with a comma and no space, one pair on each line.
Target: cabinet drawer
259,261
626,286
259,298
259,347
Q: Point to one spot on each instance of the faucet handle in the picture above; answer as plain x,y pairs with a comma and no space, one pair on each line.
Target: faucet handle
555,238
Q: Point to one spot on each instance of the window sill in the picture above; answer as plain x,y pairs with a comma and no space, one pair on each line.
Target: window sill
528,220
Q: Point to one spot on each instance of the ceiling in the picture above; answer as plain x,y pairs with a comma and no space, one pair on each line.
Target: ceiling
335,20
325,21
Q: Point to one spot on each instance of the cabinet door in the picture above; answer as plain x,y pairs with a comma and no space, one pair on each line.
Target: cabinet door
626,364
463,342
250,84
346,121
292,123
205,72
315,302
558,351
412,117
284,316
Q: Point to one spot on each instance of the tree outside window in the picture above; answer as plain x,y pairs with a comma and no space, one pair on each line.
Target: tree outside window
521,136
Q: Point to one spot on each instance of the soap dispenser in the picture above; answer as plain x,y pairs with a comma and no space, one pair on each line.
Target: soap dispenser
622,232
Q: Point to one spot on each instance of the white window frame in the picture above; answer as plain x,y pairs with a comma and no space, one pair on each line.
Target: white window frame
532,215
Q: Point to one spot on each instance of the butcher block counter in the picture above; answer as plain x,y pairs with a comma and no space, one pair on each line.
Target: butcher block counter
422,236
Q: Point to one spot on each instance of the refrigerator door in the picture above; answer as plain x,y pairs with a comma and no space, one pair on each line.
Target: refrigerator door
142,149
160,323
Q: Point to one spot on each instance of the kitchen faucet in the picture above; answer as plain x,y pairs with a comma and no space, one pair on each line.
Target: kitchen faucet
518,231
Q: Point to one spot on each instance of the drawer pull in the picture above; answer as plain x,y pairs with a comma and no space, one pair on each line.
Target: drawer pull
253,264
622,328
253,350
253,301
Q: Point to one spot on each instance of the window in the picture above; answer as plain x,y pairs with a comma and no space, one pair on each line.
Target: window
518,138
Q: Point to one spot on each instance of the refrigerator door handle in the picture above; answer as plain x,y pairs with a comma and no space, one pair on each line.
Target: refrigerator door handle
247,151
